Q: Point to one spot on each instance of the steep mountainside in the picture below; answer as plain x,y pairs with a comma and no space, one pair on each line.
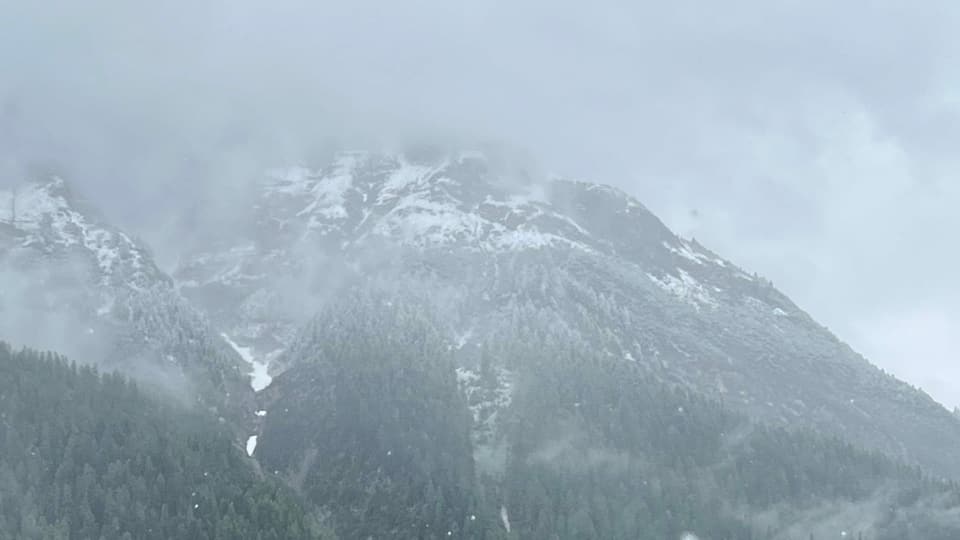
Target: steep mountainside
71,281
499,259
575,445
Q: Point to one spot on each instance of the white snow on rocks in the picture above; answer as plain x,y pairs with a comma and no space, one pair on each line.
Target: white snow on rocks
259,377
686,251
462,339
27,206
491,400
328,193
412,204
419,221
685,287
251,445
527,239
324,191
404,178
42,211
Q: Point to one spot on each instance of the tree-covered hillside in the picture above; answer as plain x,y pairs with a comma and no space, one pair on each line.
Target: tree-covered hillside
387,431
562,442
89,456
376,433
600,451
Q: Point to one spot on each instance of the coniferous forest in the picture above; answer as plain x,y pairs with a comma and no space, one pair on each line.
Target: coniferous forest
383,450
371,429
85,455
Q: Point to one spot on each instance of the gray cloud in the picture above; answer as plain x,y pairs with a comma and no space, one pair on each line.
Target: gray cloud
811,141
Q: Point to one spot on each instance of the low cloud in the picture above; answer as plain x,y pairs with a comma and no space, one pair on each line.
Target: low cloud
812,142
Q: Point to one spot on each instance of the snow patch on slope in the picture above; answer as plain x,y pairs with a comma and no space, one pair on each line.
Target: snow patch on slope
45,214
329,192
251,445
259,376
404,178
423,222
686,251
412,205
528,239
686,288
461,341
484,400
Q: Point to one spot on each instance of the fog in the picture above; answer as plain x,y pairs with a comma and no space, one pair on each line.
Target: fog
809,141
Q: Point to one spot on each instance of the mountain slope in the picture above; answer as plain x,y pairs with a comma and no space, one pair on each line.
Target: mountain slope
377,432
500,259
367,424
72,281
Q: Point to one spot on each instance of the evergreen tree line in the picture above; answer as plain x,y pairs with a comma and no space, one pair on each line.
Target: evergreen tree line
370,429
369,425
85,455
600,450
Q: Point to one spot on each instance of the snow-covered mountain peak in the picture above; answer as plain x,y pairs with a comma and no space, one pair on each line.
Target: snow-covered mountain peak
70,279
43,217
455,212
490,256
461,202
458,200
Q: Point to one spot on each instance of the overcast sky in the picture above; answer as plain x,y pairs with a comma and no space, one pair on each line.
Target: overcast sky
812,141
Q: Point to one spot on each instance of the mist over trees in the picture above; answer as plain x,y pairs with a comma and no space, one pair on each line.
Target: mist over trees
87,455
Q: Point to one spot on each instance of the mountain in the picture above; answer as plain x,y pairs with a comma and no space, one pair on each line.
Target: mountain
509,266
85,455
72,281
432,345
